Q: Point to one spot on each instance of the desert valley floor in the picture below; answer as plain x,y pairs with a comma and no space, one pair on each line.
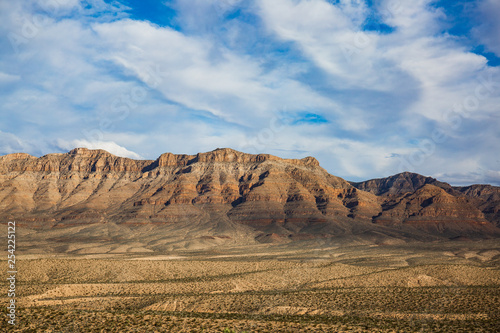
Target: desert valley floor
418,287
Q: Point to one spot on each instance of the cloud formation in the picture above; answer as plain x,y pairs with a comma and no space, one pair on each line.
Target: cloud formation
489,29
109,146
369,88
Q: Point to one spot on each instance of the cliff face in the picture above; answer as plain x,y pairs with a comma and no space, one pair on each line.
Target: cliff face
223,193
469,200
401,183
86,185
432,209
487,199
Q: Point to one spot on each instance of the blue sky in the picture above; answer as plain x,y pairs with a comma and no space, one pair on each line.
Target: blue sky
369,88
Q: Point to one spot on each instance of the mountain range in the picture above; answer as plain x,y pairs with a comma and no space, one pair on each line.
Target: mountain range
87,201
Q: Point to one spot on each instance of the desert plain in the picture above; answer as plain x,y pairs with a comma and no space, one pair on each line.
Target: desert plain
306,287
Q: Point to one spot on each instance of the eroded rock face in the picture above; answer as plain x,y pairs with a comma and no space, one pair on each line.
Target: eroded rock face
85,186
224,191
487,199
432,209
401,183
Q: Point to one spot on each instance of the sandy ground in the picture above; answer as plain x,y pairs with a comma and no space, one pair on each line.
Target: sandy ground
423,287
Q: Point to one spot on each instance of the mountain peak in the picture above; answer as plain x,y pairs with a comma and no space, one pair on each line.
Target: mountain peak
231,155
311,161
233,195
86,152
16,156
400,183
227,155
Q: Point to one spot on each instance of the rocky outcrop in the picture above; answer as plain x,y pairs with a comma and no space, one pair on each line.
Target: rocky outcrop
225,195
487,199
401,183
484,197
86,186
433,210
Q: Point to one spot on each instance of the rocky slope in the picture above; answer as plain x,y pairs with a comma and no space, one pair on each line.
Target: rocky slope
432,209
398,184
218,197
485,198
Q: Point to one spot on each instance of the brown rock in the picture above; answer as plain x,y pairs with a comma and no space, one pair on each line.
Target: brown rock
223,194
487,199
432,209
401,183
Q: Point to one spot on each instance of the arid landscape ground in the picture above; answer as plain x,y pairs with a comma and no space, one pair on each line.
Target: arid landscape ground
418,287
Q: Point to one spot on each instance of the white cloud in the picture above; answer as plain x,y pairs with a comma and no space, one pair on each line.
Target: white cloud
444,74
201,16
10,143
489,31
6,78
109,146
187,71
331,38
218,82
492,177
329,35
411,18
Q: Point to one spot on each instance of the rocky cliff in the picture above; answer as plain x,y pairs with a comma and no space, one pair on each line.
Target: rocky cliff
219,197
487,199
474,198
398,184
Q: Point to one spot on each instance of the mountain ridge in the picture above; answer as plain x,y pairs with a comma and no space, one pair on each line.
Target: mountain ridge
486,197
229,197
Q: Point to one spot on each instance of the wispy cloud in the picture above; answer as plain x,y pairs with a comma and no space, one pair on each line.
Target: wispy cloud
109,146
364,88
489,29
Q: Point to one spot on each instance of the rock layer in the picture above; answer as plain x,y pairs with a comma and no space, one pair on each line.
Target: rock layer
487,199
225,194
398,184
469,199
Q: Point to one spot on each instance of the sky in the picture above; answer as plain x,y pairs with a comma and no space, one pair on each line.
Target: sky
368,87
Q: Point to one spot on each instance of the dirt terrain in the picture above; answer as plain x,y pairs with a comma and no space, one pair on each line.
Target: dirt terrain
441,287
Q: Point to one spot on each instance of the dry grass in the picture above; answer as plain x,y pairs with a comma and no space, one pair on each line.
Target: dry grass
445,288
